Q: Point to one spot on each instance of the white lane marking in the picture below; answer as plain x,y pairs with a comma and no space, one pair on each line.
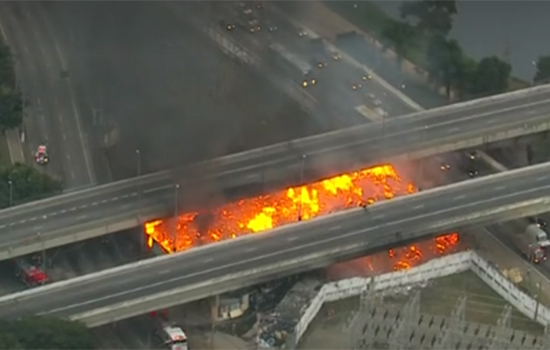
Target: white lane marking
22,221
251,249
124,196
83,206
291,238
63,211
81,217
94,204
459,197
114,199
68,156
335,228
381,216
125,206
500,188
420,206
134,194
60,118
164,272
72,209
64,137
26,49
542,178
33,218
455,129
104,201
157,189
72,174
37,228
2,226
207,260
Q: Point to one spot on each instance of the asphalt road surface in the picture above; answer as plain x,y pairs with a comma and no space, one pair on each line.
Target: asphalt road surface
333,91
165,88
284,244
266,166
53,116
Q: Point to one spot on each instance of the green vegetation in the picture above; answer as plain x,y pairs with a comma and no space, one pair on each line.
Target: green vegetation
21,183
421,37
44,333
11,103
543,70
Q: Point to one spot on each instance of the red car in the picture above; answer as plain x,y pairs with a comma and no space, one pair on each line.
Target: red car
41,155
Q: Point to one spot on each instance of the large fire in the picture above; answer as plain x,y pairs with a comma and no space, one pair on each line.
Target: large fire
257,214
261,213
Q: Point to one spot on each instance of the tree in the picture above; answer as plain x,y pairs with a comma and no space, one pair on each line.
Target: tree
491,77
398,36
27,183
7,66
432,17
543,70
44,333
466,72
11,108
446,63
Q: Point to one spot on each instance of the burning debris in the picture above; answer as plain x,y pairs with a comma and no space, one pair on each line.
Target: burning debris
257,214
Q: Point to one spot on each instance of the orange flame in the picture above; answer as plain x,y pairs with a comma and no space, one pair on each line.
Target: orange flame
261,213
253,215
410,256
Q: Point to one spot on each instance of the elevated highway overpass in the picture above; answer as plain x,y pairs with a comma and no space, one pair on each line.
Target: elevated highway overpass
130,290
105,209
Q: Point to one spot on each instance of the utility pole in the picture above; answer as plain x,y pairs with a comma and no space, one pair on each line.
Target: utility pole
39,236
138,173
138,159
10,184
302,166
176,214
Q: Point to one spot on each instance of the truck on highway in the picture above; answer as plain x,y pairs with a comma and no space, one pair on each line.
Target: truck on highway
172,336
533,243
30,272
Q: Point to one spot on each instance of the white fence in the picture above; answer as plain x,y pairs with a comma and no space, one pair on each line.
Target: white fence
509,292
435,268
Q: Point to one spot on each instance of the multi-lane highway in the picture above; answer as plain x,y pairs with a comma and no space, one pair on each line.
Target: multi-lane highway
333,91
421,134
52,112
301,246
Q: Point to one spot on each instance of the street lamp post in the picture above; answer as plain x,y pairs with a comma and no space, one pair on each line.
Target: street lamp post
176,212
302,168
10,184
138,159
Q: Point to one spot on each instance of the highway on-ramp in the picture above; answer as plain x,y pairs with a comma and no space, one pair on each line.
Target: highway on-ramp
73,216
119,292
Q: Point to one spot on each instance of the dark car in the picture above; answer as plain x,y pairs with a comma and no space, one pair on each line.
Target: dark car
472,172
229,26
538,221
